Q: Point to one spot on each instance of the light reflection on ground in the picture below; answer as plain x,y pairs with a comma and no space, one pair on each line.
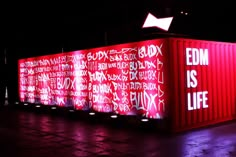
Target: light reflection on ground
26,134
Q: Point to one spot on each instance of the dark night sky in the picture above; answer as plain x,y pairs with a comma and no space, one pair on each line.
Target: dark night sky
44,28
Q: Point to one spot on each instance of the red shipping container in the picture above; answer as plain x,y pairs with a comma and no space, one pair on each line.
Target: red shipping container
203,82
189,82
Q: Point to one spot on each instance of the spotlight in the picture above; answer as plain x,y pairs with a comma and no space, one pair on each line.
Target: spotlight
114,116
91,113
71,110
37,106
54,108
16,102
144,120
25,104
184,13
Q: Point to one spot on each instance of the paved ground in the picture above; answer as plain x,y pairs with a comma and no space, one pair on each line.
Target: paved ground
34,134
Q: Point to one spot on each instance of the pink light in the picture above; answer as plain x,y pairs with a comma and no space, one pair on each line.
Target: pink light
99,79
162,23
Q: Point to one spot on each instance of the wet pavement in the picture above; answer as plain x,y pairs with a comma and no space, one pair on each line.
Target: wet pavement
25,133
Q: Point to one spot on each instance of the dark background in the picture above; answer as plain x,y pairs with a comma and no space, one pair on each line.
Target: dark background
34,28
37,28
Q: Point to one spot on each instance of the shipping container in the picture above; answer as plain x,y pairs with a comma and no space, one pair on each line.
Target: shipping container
203,83
189,83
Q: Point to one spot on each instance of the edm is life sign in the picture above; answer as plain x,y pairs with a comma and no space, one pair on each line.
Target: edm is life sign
196,57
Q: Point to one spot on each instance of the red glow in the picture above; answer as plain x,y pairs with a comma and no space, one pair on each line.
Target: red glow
191,81
126,79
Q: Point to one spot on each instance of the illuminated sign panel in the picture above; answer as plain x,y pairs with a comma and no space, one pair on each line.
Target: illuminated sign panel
203,78
127,79
196,57
192,82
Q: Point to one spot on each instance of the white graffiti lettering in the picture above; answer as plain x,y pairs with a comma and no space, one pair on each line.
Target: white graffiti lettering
102,88
116,57
114,77
130,57
54,61
146,65
112,65
80,65
159,64
101,99
161,77
161,103
43,77
122,65
149,86
97,76
130,49
24,80
97,56
65,67
143,100
120,86
147,75
133,75
30,72
160,91
69,83
102,66
136,85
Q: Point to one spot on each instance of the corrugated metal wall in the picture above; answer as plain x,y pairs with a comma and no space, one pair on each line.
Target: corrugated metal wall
213,82
195,80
